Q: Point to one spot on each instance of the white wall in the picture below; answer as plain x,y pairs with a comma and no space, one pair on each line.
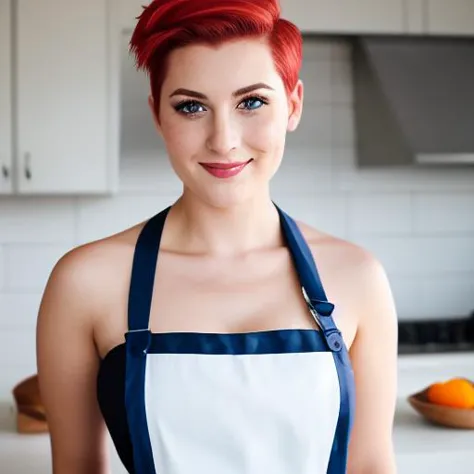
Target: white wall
419,223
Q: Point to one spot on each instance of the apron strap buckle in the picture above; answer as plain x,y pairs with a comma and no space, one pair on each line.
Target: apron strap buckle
334,339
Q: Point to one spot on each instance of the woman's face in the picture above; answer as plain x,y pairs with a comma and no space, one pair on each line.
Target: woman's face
224,114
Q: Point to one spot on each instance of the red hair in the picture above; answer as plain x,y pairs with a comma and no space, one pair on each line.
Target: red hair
165,25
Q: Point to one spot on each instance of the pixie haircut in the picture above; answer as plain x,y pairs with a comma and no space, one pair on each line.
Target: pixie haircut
165,25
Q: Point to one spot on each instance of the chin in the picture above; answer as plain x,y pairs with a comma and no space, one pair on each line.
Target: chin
243,189
227,196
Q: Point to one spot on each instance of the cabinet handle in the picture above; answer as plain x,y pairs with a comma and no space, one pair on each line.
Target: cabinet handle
5,171
28,173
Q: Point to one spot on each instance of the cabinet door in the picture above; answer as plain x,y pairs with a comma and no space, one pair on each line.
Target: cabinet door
346,16
62,71
5,98
453,17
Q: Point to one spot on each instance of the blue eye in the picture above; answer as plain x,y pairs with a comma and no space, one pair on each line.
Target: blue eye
190,107
253,103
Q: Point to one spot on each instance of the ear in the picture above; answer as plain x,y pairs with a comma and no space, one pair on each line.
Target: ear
295,106
154,113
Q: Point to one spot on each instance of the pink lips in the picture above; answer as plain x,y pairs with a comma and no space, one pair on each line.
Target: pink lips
225,170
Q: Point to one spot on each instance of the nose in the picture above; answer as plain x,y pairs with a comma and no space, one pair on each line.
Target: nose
224,134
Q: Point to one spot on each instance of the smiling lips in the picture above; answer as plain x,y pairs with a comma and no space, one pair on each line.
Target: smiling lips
225,170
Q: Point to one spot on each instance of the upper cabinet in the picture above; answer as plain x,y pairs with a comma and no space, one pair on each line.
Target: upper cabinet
346,16
64,129
319,16
452,18
6,149
410,17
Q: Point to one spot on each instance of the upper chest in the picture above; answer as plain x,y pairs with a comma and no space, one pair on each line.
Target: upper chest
227,295
201,294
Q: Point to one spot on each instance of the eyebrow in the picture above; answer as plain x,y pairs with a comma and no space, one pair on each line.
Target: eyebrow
237,93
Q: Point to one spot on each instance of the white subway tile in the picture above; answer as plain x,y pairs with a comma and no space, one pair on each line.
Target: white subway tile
379,214
316,77
442,296
2,268
444,213
28,266
406,293
17,348
349,176
343,126
100,217
314,130
36,220
19,310
341,82
420,256
449,295
303,172
325,212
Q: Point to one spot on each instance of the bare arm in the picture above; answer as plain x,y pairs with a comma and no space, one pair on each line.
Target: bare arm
67,369
374,358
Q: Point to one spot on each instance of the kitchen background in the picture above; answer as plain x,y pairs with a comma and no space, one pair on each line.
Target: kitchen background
80,167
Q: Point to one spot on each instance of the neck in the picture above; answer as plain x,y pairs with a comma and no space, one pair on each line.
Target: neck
198,228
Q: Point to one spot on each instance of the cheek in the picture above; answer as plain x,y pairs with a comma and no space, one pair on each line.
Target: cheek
266,132
181,138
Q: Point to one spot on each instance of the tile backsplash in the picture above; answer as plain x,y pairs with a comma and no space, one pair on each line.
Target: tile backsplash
418,222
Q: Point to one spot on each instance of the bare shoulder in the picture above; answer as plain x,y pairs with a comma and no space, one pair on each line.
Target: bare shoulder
88,274
349,258
355,278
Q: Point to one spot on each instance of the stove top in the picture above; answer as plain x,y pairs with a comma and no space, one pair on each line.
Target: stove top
436,336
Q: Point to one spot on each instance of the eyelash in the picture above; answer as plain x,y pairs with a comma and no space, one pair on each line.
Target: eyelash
180,106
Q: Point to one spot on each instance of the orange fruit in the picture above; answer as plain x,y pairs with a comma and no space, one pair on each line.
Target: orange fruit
456,392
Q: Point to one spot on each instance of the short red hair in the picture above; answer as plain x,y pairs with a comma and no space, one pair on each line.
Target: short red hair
165,25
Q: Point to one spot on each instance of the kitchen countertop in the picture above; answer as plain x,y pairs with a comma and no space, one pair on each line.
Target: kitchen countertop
423,448
412,434
420,447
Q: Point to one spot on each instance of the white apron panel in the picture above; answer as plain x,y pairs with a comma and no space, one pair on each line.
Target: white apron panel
242,414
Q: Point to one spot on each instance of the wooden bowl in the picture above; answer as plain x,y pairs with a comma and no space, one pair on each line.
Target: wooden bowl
442,415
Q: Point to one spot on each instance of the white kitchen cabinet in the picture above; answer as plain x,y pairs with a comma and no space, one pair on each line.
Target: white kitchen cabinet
63,129
346,16
320,16
452,18
6,152
443,17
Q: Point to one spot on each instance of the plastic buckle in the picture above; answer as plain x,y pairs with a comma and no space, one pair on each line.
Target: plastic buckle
334,340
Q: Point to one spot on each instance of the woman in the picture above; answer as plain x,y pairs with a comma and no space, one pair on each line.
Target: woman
233,360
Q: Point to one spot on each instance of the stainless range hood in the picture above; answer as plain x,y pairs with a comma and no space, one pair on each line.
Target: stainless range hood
414,101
